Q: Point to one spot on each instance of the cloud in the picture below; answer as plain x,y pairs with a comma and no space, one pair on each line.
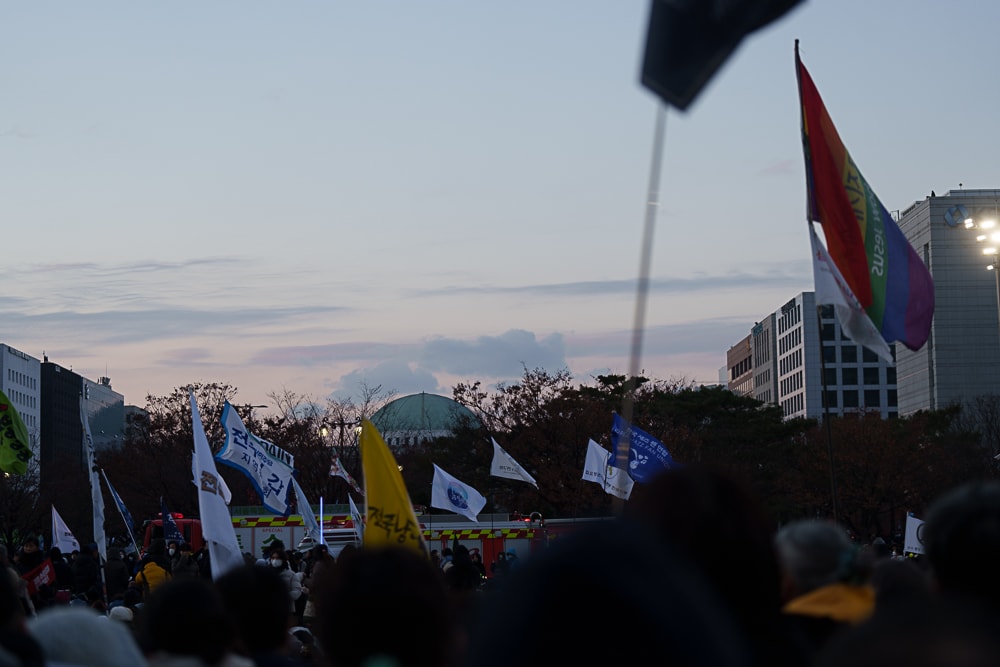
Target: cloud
715,335
308,355
494,356
791,277
393,376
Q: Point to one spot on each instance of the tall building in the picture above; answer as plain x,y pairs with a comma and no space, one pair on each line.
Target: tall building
795,350
962,356
20,379
740,365
105,413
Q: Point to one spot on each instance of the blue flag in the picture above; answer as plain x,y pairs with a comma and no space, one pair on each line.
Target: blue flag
126,516
646,455
171,533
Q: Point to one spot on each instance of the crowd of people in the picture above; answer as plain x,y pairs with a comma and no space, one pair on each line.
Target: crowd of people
692,573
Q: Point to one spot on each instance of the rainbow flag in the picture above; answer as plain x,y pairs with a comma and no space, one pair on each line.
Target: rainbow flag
879,265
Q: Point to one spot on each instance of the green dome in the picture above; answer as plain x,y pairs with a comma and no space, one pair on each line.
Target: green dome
422,413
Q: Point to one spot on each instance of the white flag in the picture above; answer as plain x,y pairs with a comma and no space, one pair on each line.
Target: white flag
216,524
596,469
447,493
268,466
305,511
913,543
96,497
505,466
61,535
337,469
224,491
357,520
832,289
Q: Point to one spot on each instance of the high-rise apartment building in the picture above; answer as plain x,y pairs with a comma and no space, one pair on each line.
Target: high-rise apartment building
20,379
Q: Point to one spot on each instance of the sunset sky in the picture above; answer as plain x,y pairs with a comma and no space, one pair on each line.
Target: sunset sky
314,195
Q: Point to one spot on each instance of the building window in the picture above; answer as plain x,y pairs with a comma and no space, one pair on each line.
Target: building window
849,375
830,399
827,332
871,376
868,355
850,399
829,354
826,312
829,376
890,375
891,398
849,354
872,398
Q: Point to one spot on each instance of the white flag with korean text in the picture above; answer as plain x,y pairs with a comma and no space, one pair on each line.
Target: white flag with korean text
216,524
505,466
597,469
268,466
913,543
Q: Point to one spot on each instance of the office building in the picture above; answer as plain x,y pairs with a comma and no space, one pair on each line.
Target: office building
962,356
20,379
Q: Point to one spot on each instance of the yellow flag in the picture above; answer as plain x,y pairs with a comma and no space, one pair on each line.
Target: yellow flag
15,448
391,521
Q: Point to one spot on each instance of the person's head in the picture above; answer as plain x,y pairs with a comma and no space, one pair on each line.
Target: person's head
30,545
257,600
814,553
962,541
399,587
55,553
76,635
278,559
186,617
171,547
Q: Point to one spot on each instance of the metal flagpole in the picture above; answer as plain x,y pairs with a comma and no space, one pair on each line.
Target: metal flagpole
642,289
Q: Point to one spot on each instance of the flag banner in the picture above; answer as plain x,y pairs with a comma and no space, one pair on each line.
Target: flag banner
913,543
61,535
337,469
646,455
448,493
390,518
357,519
171,533
216,524
505,466
224,491
832,289
268,467
125,514
305,511
43,575
598,469
15,446
876,261
96,497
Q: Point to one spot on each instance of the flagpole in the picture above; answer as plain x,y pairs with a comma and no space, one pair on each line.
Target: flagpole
642,287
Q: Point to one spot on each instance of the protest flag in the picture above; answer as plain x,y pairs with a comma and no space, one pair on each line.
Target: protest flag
216,524
62,537
122,510
391,520
449,493
268,467
357,519
597,468
877,263
505,466
96,497
171,533
646,455
305,511
337,469
15,446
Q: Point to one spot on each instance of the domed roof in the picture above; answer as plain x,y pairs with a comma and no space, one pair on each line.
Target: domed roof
421,412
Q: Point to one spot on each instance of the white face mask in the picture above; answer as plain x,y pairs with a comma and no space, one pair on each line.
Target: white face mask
172,551
277,562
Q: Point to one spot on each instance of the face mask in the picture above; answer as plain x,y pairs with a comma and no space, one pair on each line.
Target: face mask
172,551
277,562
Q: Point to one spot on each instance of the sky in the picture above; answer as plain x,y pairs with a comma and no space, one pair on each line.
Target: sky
319,196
